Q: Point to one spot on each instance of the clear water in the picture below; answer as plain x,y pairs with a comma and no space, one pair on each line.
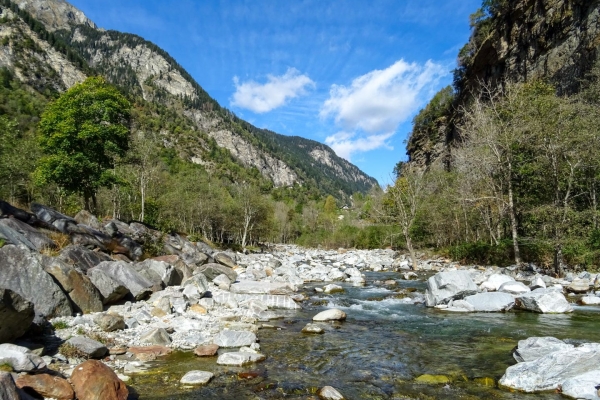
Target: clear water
377,352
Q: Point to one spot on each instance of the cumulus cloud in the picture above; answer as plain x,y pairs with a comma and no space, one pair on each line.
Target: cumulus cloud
375,104
262,98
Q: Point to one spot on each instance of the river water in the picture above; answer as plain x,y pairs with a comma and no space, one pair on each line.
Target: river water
385,344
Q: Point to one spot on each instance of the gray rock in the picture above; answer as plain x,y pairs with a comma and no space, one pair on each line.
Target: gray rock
12,236
494,281
239,358
579,286
514,288
590,300
22,272
582,386
262,287
550,371
330,315
83,235
8,389
86,218
91,348
224,259
82,258
122,272
21,359
110,322
212,270
52,218
332,288
445,286
111,289
166,273
537,283
16,315
313,328
195,286
229,338
543,301
39,240
197,378
157,336
330,393
205,248
222,281
78,287
532,348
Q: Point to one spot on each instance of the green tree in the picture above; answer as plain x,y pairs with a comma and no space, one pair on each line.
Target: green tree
81,135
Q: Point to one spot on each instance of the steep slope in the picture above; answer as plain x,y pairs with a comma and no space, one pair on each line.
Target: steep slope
512,41
144,70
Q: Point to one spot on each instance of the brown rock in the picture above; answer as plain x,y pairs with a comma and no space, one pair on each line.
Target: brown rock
149,353
110,322
206,351
198,309
93,380
47,386
117,351
157,312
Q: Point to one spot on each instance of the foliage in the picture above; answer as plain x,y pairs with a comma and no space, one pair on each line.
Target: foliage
81,134
60,325
2,242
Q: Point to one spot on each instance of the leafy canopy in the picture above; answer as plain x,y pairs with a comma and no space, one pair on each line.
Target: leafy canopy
81,134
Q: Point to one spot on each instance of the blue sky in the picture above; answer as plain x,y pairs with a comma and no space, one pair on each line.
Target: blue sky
348,73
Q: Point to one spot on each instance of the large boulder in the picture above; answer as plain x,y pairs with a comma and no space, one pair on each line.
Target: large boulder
16,315
196,286
82,258
21,359
532,348
22,272
224,259
582,386
514,288
494,281
84,217
83,235
550,371
543,301
227,338
52,218
78,287
212,270
93,380
12,236
449,285
39,240
122,272
111,289
47,386
6,210
159,272
491,301
8,389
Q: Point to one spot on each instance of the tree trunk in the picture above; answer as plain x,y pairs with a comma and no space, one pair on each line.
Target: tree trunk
513,218
411,250
559,265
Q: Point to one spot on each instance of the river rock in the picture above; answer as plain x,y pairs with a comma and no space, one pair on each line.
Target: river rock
550,371
197,378
93,380
224,259
514,288
52,218
313,328
491,301
110,322
532,348
494,281
212,270
543,301
330,315
90,347
579,286
239,358
120,271
262,287
82,258
333,288
582,386
21,359
46,385
355,276
590,300
78,287
8,389
227,338
444,286
39,240
207,350
222,281
158,336
16,315
330,393
110,288
22,272
149,353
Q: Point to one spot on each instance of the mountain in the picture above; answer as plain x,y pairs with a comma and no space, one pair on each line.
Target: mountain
50,45
511,41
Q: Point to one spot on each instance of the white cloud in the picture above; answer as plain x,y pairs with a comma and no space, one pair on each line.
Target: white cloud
262,98
375,104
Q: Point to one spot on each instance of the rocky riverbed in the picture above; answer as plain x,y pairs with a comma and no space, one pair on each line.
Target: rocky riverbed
103,318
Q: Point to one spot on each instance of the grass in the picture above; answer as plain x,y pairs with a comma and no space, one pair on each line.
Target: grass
70,351
98,337
6,367
2,242
60,325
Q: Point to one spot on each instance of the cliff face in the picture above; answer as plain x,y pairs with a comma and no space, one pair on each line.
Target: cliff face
143,69
554,40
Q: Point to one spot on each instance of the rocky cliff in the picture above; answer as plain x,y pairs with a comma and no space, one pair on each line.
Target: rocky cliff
144,70
515,41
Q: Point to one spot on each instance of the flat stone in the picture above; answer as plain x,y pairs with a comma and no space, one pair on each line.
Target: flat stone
313,328
212,270
579,286
21,359
543,301
155,351
239,358
491,301
46,386
494,281
262,287
330,393
330,315
89,347
590,300
333,288
227,338
197,378
514,288
532,348
208,350
582,386
157,336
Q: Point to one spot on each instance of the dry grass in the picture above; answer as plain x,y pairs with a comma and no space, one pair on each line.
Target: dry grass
6,367
61,240
70,351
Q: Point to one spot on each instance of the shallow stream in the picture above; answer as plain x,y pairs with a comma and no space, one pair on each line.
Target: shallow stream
377,353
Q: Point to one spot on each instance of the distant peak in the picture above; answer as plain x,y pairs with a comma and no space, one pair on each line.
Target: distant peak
55,14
